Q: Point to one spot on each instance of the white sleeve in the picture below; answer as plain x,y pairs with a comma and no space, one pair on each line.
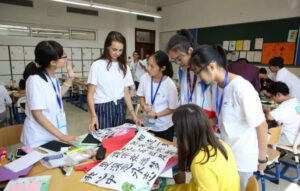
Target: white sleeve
172,95
277,114
6,96
35,101
141,90
93,74
251,106
128,81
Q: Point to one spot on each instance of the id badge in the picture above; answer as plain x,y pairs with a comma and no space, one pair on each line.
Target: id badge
61,120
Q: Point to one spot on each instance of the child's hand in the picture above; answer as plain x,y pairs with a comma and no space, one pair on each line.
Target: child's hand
70,70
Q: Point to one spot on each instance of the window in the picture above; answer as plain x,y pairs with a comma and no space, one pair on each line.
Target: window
83,34
50,32
14,30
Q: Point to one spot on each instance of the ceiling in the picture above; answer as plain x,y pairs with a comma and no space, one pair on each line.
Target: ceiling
155,3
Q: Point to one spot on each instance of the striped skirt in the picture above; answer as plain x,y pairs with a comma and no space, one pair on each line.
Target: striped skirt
110,115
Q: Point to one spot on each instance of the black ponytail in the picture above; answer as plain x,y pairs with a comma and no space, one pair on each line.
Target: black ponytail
162,60
205,54
45,52
182,41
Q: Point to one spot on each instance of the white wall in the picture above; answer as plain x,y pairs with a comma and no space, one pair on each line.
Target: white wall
203,13
52,13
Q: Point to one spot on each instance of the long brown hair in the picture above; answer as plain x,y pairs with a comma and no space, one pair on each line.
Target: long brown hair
194,133
115,36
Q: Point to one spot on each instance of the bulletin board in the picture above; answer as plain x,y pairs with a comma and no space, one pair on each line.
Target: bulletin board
285,50
272,31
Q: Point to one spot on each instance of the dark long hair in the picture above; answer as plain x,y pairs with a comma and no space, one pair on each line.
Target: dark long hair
162,60
182,41
45,52
194,133
115,36
205,54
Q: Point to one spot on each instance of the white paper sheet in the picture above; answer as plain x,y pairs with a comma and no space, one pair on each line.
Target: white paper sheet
136,166
257,56
258,43
25,161
243,54
232,45
250,56
246,44
225,44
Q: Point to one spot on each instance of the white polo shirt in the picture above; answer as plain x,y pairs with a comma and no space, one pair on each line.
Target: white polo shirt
288,114
137,70
4,98
110,83
166,98
291,80
240,114
40,95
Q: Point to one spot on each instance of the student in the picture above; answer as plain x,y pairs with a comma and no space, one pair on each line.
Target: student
285,76
21,92
210,161
264,82
45,117
4,100
248,71
158,96
192,89
287,113
240,117
108,83
138,68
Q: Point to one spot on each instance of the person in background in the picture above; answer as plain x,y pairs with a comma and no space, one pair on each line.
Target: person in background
287,113
145,60
108,86
4,101
264,82
21,91
138,68
239,114
210,160
281,73
45,117
158,96
249,72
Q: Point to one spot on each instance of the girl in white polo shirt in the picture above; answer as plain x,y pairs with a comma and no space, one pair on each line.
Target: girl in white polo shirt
158,96
240,117
108,83
45,118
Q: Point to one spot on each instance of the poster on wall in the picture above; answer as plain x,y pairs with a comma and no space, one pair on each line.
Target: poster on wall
258,43
239,45
292,36
225,44
286,50
246,44
243,54
250,56
232,45
257,56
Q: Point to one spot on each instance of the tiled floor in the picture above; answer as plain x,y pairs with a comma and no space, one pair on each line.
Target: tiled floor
78,121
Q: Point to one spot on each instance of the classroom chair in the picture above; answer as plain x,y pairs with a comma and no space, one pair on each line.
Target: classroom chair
252,184
295,149
10,135
273,158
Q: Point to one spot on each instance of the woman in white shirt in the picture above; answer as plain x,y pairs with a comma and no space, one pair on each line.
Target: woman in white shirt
4,101
108,85
158,96
287,113
240,117
45,118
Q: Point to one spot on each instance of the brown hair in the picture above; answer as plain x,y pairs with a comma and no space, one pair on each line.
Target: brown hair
194,133
115,36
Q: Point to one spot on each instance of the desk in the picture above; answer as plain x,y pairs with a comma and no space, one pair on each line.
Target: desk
61,182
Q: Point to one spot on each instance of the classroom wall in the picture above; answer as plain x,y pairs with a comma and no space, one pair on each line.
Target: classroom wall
51,13
201,13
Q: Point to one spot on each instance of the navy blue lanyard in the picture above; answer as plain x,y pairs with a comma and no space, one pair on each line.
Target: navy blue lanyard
56,89
154,96
190,91
220,102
